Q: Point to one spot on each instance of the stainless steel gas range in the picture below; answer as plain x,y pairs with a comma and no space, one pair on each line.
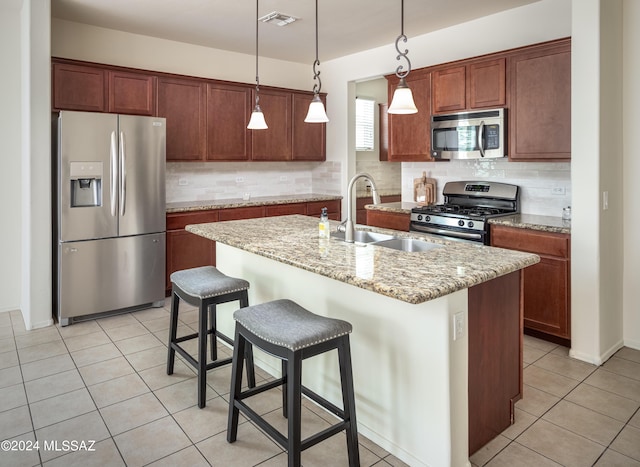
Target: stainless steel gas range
466,210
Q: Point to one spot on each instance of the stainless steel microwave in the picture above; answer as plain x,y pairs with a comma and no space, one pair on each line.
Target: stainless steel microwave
469,135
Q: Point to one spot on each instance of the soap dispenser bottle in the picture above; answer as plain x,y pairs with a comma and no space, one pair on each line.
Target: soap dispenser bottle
323,225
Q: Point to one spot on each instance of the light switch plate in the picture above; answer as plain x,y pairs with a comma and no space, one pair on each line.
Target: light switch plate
458,325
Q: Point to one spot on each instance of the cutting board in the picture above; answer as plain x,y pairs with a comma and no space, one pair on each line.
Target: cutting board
424,189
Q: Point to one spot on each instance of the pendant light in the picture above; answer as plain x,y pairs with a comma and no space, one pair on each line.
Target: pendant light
402,102
257,122
316,113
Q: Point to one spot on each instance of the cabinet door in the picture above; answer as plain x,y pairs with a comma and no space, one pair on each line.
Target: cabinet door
486,84
409,135
540,103
274,143
388,220
546,297
77,87
186,250
308,138
131,93
383,132
228,111
182,103
449,89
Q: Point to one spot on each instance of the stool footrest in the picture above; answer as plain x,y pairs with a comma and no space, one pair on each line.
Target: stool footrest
318,399
194,362
258,389
186,338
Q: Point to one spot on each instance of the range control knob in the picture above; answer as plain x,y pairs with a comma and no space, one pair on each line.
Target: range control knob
461,223
419,217
427,218
470,224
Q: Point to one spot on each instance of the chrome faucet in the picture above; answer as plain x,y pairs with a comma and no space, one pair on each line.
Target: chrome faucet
347,226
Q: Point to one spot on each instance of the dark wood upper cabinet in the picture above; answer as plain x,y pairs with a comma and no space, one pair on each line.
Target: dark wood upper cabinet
131,93
449,89
308,138
78,87
228,111
469,85
409,135
383,132
182,102
486,84
274,143
540,103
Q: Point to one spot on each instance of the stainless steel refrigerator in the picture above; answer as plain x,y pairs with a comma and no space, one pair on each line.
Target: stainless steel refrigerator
109,210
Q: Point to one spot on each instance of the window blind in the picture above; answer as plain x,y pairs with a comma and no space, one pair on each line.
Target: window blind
364,124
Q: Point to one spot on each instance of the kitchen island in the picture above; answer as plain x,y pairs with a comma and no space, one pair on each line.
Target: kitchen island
421,392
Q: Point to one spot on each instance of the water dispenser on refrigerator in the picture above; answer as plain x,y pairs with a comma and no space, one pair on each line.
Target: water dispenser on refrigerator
86,184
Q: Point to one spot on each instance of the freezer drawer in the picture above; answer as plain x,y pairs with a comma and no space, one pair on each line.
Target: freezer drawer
95,276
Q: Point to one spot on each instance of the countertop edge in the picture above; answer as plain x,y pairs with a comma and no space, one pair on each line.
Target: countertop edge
192,206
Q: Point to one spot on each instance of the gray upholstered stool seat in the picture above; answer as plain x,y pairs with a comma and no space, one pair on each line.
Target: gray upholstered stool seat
286,330
205,287
287,324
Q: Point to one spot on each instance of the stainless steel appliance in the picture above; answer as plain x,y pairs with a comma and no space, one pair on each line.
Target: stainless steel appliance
467,208
469,135
109,213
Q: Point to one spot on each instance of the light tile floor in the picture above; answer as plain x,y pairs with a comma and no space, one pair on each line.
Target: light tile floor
105,380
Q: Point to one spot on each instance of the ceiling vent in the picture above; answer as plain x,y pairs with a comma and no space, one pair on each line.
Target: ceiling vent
279,19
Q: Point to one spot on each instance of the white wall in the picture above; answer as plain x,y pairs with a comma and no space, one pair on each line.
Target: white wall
10,233
631,171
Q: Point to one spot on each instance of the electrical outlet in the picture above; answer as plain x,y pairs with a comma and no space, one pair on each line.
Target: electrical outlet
183,182
458,325
605,200
283,178
559,190
239,179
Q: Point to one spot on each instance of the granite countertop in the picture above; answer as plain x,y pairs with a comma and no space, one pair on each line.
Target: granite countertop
399,207
534,222
367,194
185,206
410,277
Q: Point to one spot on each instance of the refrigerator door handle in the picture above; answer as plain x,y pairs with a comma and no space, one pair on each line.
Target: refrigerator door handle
123,175
114,174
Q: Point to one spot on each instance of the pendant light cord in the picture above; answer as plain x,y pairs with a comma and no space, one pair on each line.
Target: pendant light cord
257,78
316,73
403,38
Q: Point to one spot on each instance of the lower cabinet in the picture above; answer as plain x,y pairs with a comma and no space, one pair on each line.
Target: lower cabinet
388,220
361,212
547,290
186,250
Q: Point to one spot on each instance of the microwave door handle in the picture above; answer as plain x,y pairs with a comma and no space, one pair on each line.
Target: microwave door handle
481,138
114,174
123,175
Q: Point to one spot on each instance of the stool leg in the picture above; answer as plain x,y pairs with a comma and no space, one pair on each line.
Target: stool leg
285,412
236,386
173,330
251,371
294,389
212,330
348,400
202,356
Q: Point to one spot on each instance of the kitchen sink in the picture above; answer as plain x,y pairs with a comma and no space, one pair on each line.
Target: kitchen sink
407,244
388,241
363,236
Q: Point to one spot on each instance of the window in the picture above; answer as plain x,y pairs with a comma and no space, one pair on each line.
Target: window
364,124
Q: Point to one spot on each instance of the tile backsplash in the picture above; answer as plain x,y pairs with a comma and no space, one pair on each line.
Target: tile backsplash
545,187
202,181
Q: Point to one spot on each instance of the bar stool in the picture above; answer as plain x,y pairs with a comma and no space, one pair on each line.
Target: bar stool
205,287
286,330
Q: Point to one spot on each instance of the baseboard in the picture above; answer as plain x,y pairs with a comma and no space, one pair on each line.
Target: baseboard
597,359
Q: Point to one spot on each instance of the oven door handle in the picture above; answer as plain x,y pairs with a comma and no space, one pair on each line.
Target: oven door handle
448,233
481,138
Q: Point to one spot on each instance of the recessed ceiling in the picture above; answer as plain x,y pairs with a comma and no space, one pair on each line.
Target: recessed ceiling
345,26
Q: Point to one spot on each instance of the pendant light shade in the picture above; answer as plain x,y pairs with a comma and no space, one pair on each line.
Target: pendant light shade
257,121
316,113
402,102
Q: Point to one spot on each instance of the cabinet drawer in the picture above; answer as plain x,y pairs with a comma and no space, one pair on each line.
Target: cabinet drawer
233,214
543,243
315,208
286,209
179,220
